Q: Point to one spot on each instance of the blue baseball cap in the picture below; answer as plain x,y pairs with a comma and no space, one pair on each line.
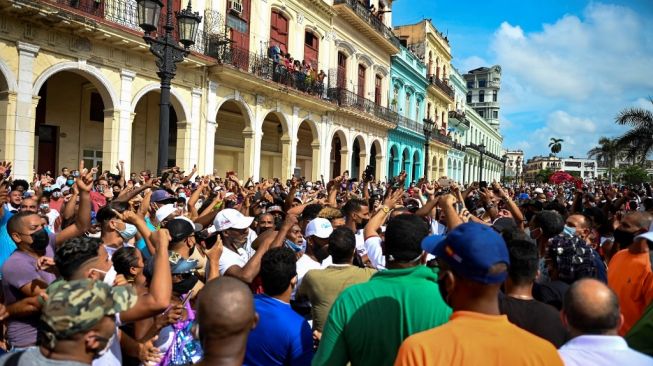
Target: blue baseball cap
472,250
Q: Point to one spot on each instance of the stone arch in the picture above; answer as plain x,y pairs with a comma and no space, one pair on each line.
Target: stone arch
235,138
275,145
101,82
315,30
345,47
282,10
365,60
175,100
244,107
358,156
376,157
8,80
308,149
338,154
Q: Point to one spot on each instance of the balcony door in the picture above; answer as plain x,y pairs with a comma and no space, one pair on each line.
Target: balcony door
377,89
342,70
311,48
238,23
279,31
361,81
176,6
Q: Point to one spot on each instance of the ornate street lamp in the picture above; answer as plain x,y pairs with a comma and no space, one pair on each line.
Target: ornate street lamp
428,129
168,53
481,150
504,158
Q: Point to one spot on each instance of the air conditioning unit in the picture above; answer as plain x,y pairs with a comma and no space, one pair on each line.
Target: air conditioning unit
235,6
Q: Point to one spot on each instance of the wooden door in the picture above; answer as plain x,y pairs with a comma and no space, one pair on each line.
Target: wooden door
342,70
279,31
377,90
176,6
239,35
47,147
311,48
361,81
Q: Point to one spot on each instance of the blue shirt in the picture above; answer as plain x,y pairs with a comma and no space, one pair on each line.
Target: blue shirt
600,350
140,244
7,244
281,337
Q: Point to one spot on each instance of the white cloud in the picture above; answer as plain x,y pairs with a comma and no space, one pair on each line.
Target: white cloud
571,78
470,63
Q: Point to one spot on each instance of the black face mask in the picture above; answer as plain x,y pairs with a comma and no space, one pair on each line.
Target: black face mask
40,240
623,238
361,226
185,285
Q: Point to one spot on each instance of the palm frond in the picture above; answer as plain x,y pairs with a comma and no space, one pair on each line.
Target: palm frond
635,117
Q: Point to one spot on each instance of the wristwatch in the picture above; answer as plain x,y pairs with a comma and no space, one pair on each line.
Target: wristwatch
385,208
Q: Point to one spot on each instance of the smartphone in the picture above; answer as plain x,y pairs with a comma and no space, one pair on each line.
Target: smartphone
297,173
187,298
444,183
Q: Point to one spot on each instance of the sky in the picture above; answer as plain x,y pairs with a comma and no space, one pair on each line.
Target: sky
568,66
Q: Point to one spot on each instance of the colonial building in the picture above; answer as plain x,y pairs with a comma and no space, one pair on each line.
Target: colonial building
458,128
433,48
78,82
537,163
514,166
581,167
483,86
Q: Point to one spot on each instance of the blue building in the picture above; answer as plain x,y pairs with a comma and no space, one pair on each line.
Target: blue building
408,99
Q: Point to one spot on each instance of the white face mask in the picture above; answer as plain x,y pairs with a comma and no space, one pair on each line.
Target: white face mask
109,276
107,346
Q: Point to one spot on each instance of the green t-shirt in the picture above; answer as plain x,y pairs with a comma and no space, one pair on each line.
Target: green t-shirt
640,336
322,287
368,321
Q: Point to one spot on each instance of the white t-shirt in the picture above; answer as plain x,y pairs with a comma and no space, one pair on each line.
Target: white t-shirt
230,258
375,252
327,262
114,355
304,264
360,243
61,181
437,227
52,215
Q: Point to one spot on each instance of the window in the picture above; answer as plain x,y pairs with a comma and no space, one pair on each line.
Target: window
96,112
407,105
311,48
481,113
417,105
92,158
361,80
469,97
494,95
481,96
482,83
495,114
236,24
279,31
377,89
470,84
428,110
342,70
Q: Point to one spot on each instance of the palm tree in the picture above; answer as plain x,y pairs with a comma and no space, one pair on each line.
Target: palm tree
555,145
607,151
638,142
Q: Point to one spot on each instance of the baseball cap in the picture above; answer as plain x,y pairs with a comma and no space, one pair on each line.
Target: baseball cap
538,190
231,219
471,250
179,229
504,224
275,208
319,227
164,211
197,227
76,306
647,235
162,196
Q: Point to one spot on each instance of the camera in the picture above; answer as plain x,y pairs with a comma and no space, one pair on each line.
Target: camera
368,174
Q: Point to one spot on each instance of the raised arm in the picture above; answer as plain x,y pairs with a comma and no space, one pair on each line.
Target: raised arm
83,222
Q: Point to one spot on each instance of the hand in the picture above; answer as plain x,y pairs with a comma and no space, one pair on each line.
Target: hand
4,167
4,314
290,220
85,180
129,216
446,200
4,195
148,354
391,201
215,253
171,316
162,238
45,263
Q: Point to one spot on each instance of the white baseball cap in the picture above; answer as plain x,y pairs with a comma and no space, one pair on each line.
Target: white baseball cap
647,235
538,190
231,219
164,211
319,227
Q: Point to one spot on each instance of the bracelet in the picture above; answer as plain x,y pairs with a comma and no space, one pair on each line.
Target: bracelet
218,206
385,209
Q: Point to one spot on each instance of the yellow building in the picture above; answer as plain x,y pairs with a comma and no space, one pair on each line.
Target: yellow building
434,50
78,82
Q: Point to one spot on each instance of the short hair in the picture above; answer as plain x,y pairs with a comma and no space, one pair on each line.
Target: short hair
123,259
278,267
70,256
550,222
523,261
262,215
311,211
330,213
558,207
403,237
16,221
107,213
597,319
586,221
353,205
22,183
342,243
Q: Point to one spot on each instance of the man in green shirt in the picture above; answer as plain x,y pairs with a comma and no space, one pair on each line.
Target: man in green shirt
640,336
322,286
368,321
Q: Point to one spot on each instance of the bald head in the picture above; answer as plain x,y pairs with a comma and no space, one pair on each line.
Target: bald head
225,309
590,307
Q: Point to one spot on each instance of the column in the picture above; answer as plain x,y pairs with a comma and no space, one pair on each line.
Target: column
286,163
249,152
207,154
362,163
325,151
126,118
110,138
259,116
23,157
196,115
293,140
315,163
7,125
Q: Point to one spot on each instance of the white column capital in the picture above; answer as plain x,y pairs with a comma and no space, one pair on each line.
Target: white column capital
127,75
24,47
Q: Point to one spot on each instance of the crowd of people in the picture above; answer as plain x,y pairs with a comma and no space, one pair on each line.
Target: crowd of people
301,75
176,269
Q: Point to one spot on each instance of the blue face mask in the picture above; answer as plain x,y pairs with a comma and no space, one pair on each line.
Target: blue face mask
129,232
182,195
70,182
295,248
571,231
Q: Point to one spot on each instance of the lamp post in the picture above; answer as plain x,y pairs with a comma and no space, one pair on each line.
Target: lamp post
481,150
428,129
168,53
505,161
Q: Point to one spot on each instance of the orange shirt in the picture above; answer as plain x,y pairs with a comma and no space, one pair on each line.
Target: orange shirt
630,276
471,338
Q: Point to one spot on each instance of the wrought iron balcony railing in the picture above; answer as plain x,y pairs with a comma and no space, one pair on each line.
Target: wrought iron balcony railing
346,98
443,85
411,125
120,12
364,13
437,136
460,117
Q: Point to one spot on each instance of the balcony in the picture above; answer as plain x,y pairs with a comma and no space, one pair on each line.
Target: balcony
358,15
459,117
347,99
444,139
411,125
443,85
119,12
486,104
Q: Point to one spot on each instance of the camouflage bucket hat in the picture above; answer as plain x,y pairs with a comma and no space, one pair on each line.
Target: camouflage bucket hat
76,306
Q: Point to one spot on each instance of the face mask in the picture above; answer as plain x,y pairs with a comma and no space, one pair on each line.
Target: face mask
107,346
109,276
571,231
44,207
40,240
535,236
623,238
295,248
129,232
47,189
185,285
182,195
56,194
70,182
